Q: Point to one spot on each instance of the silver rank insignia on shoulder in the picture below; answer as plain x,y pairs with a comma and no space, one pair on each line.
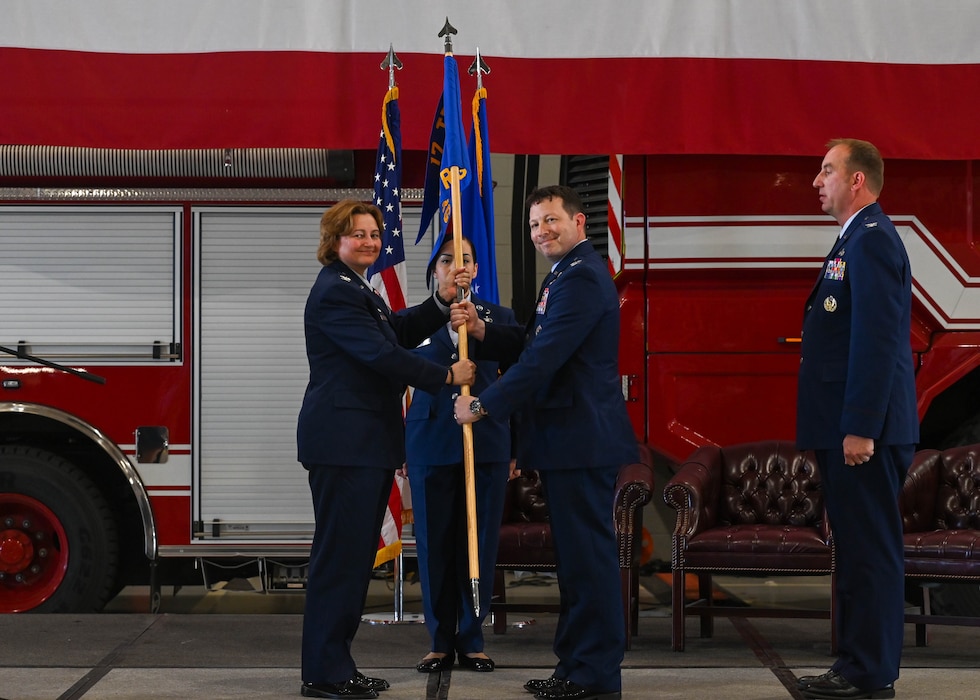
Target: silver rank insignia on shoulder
481,309
344,277
575,262
871,224
830,304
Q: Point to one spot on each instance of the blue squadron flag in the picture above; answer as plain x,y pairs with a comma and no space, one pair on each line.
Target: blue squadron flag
447,148
430,195
478,203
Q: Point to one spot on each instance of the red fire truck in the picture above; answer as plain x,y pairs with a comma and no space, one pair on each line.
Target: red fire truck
136,248
188,303
720,252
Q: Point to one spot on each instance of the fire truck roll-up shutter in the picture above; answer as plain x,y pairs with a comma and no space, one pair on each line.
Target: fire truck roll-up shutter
90,283
254,268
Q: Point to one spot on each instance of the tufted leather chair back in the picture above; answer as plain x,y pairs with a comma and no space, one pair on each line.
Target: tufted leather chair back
755,507
770,484
524,499
942,490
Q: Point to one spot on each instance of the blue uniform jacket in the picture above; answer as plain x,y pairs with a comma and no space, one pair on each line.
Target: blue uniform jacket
431,434
359,368
856,372
566,381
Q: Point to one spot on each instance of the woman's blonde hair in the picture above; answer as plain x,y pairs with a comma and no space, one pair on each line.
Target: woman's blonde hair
337,222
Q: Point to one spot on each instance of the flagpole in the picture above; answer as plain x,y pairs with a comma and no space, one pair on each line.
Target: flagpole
386,193
468,453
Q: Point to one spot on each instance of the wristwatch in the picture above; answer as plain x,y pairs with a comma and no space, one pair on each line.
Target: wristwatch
476,408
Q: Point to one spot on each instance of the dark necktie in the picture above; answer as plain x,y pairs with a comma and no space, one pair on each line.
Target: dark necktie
548,279
384,305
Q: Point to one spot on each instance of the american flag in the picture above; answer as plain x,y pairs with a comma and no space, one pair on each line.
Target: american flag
387,275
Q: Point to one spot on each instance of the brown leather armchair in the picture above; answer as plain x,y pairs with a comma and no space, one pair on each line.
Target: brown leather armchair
525,539
940,505
753,508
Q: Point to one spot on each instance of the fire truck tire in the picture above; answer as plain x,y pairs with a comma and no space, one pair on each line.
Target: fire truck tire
59,545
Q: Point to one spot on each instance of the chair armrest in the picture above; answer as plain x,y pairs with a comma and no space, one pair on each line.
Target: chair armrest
634,479
634,489
693,492
920,491
825,532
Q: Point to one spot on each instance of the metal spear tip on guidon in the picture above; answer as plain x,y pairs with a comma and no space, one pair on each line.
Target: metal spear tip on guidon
480,68
447,31
390,63
475,591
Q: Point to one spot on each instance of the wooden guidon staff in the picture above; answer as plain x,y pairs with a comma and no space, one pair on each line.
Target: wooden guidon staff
468,454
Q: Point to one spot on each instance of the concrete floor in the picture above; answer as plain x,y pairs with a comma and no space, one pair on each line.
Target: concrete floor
232,643
229,641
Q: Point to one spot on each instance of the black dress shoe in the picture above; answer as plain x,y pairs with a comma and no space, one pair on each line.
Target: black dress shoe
375,684
833,685
536,686
436,664
567,690
476,663
804,682
349,690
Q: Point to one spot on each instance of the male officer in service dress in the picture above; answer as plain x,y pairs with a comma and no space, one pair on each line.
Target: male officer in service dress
574,430
857,410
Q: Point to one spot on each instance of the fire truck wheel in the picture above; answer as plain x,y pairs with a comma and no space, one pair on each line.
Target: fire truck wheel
58,539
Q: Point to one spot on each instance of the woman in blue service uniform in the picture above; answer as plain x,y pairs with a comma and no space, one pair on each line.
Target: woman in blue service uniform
351,434
434,446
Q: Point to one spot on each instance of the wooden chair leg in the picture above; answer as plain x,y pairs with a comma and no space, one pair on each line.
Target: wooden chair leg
626,591
677,601
705,592
921,631
635,598
499,595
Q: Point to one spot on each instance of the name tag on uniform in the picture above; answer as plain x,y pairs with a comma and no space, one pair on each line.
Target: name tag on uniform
835,269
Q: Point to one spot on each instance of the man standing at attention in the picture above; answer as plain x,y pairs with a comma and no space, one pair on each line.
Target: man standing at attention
857,410
574,430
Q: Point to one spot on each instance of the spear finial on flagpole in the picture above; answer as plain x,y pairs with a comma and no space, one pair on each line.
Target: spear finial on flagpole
480,67
447,31
390,63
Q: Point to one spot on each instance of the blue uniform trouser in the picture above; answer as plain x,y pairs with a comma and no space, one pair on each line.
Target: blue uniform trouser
590,639
862,503
439,508
349,505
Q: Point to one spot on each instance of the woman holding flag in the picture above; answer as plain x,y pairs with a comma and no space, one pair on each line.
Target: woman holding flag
351,435
434,463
